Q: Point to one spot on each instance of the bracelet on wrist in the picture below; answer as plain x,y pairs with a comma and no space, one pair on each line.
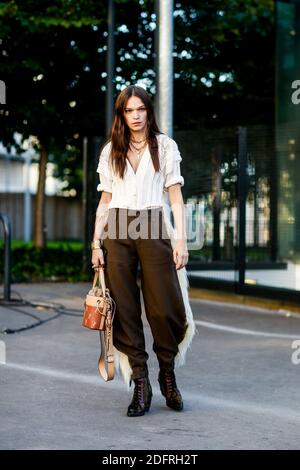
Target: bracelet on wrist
96,244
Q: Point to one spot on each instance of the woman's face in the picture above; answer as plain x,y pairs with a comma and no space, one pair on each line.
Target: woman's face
135,114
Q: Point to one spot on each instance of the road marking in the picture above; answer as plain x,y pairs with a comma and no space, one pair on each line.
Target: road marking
244,406
58,374
244,331
202,400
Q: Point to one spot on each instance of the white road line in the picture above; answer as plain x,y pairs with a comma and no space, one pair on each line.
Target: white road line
244,331
202,400
58,374
243,406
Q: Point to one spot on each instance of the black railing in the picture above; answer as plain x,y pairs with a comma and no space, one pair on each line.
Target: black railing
242,195
7,255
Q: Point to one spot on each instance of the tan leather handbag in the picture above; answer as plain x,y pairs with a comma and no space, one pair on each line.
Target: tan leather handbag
99,311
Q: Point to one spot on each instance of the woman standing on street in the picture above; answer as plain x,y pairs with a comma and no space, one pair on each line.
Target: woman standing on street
137,166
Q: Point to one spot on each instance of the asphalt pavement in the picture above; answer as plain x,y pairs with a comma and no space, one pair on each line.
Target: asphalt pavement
240,383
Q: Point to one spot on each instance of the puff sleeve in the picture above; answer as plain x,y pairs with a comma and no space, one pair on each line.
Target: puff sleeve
105,171
172,173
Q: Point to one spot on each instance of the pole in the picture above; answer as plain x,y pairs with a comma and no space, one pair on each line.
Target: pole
110,66
165,38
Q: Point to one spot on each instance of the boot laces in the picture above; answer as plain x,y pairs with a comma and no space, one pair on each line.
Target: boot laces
138,394
170,382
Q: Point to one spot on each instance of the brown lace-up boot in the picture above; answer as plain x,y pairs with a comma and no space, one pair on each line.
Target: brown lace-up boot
168,387
141,399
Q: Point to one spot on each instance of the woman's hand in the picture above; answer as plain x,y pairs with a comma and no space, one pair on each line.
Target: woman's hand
180,254
97,257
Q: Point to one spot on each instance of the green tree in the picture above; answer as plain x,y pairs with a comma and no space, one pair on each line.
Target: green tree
224,63
52,68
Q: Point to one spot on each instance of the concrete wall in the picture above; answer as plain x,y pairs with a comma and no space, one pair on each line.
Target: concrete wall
63,217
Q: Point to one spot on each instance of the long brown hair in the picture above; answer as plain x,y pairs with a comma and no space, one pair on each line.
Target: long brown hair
120,132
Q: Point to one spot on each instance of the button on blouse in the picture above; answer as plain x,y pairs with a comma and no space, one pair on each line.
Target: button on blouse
144,188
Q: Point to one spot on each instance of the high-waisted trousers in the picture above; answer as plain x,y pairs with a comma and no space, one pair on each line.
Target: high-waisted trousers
139,238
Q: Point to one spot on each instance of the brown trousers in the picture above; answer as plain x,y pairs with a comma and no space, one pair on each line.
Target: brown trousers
150,247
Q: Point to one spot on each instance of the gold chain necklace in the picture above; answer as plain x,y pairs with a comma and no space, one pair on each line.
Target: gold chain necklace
138,150
137,141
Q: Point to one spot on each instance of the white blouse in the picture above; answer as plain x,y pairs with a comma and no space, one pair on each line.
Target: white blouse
143,189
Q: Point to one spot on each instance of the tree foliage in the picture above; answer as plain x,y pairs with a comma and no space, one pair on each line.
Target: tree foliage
53,55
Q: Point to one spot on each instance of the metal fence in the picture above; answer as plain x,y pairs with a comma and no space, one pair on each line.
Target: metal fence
233,175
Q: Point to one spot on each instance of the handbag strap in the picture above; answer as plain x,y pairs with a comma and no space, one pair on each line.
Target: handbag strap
99,273
106,361
106,364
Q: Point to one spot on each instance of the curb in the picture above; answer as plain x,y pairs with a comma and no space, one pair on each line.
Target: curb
275,305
